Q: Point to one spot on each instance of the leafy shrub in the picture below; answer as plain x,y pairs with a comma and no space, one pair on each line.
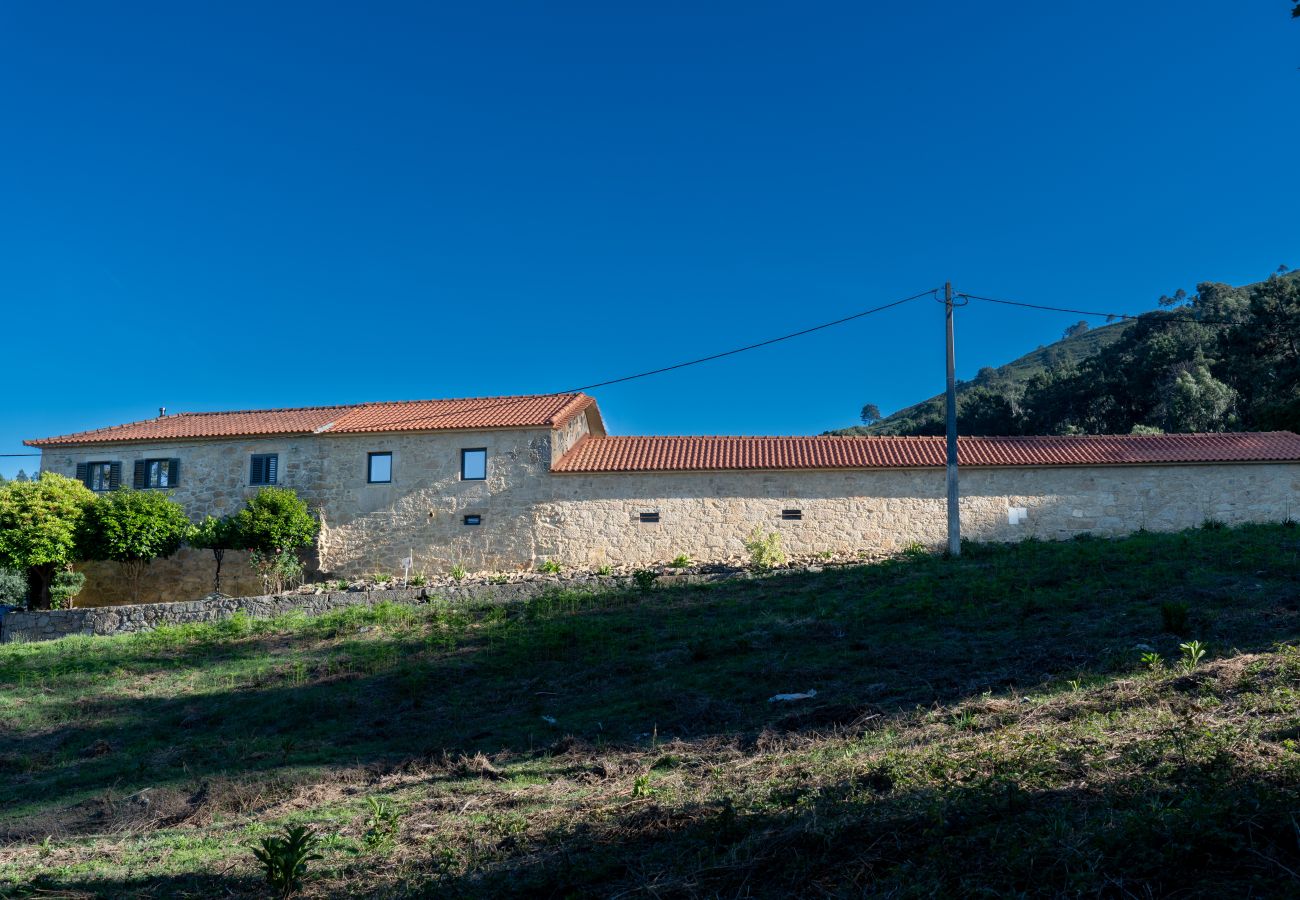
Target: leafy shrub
284,859
549,567
764,550
457,572
1213,525
419,579
13,588
39,527
279,571
133,528
498,578
382,578
605,570
644,579
1173,617
276,520
680,561
65,585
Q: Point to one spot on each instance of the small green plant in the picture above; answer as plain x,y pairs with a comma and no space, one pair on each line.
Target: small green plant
1173,617
1193,653
46,847
382,824
605,570
641,787
964,720
1153,662
457,572
65,585
680,561
915,550
826,555
644,579
419,579
284,859
499,578
549,567
765,550
382,578
1213,525
341,585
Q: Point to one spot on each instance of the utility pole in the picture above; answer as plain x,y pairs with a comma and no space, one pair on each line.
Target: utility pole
954,516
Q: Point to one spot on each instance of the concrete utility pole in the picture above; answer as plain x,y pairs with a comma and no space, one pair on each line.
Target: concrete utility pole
954,516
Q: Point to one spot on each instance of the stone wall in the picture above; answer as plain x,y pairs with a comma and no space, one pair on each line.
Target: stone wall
49,625
595,519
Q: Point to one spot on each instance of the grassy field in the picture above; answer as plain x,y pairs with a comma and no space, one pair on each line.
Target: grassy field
986,726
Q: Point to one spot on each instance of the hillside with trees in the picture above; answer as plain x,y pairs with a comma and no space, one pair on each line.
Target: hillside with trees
1222,359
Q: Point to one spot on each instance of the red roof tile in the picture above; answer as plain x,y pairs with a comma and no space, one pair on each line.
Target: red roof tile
672,454
532,411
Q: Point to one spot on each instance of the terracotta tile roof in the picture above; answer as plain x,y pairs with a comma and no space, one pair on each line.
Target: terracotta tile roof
531,411
672,454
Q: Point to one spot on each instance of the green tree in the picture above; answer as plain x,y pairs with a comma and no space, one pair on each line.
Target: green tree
276,520
39,526
217,535
275,524
1078,329
1197,401
133,528
870,414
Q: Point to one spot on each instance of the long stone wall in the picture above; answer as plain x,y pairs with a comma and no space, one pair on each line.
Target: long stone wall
596,518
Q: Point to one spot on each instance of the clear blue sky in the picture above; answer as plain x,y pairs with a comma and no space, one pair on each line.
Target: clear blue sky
231,205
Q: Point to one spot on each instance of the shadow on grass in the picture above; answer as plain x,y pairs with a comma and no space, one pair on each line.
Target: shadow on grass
692,662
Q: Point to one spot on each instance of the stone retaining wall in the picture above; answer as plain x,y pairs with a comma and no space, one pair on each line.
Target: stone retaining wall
47,625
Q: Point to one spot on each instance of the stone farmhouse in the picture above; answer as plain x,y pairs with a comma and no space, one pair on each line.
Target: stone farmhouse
504,483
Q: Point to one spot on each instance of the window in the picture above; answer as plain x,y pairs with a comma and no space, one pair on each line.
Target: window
473,464
792,515
156,473
473,520
650,518
100,476
379,468
263,469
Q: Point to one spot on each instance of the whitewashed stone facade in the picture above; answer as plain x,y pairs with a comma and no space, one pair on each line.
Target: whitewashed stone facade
527,513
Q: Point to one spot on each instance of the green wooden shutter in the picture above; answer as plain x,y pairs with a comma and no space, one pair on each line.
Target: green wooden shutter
114,476
173,472
141,479
256,471
83,474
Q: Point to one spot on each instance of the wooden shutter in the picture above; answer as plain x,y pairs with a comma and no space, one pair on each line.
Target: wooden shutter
114,476
272,464
83,474
257,471
141,479
173,472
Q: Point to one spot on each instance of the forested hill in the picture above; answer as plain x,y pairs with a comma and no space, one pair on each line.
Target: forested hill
1223,359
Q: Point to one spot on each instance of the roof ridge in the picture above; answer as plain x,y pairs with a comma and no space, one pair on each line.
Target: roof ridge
278,409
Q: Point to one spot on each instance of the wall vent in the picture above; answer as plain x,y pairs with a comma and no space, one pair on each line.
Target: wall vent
792,515
650,518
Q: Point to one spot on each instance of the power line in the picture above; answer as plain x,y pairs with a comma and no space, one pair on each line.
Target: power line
776,340
646,374
1163,316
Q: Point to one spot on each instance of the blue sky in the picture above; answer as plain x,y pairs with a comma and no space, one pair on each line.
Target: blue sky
231,205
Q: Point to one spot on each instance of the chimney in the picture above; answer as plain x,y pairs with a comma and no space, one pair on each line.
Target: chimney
162,411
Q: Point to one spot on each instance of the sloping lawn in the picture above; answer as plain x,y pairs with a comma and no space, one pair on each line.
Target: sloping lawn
983,725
